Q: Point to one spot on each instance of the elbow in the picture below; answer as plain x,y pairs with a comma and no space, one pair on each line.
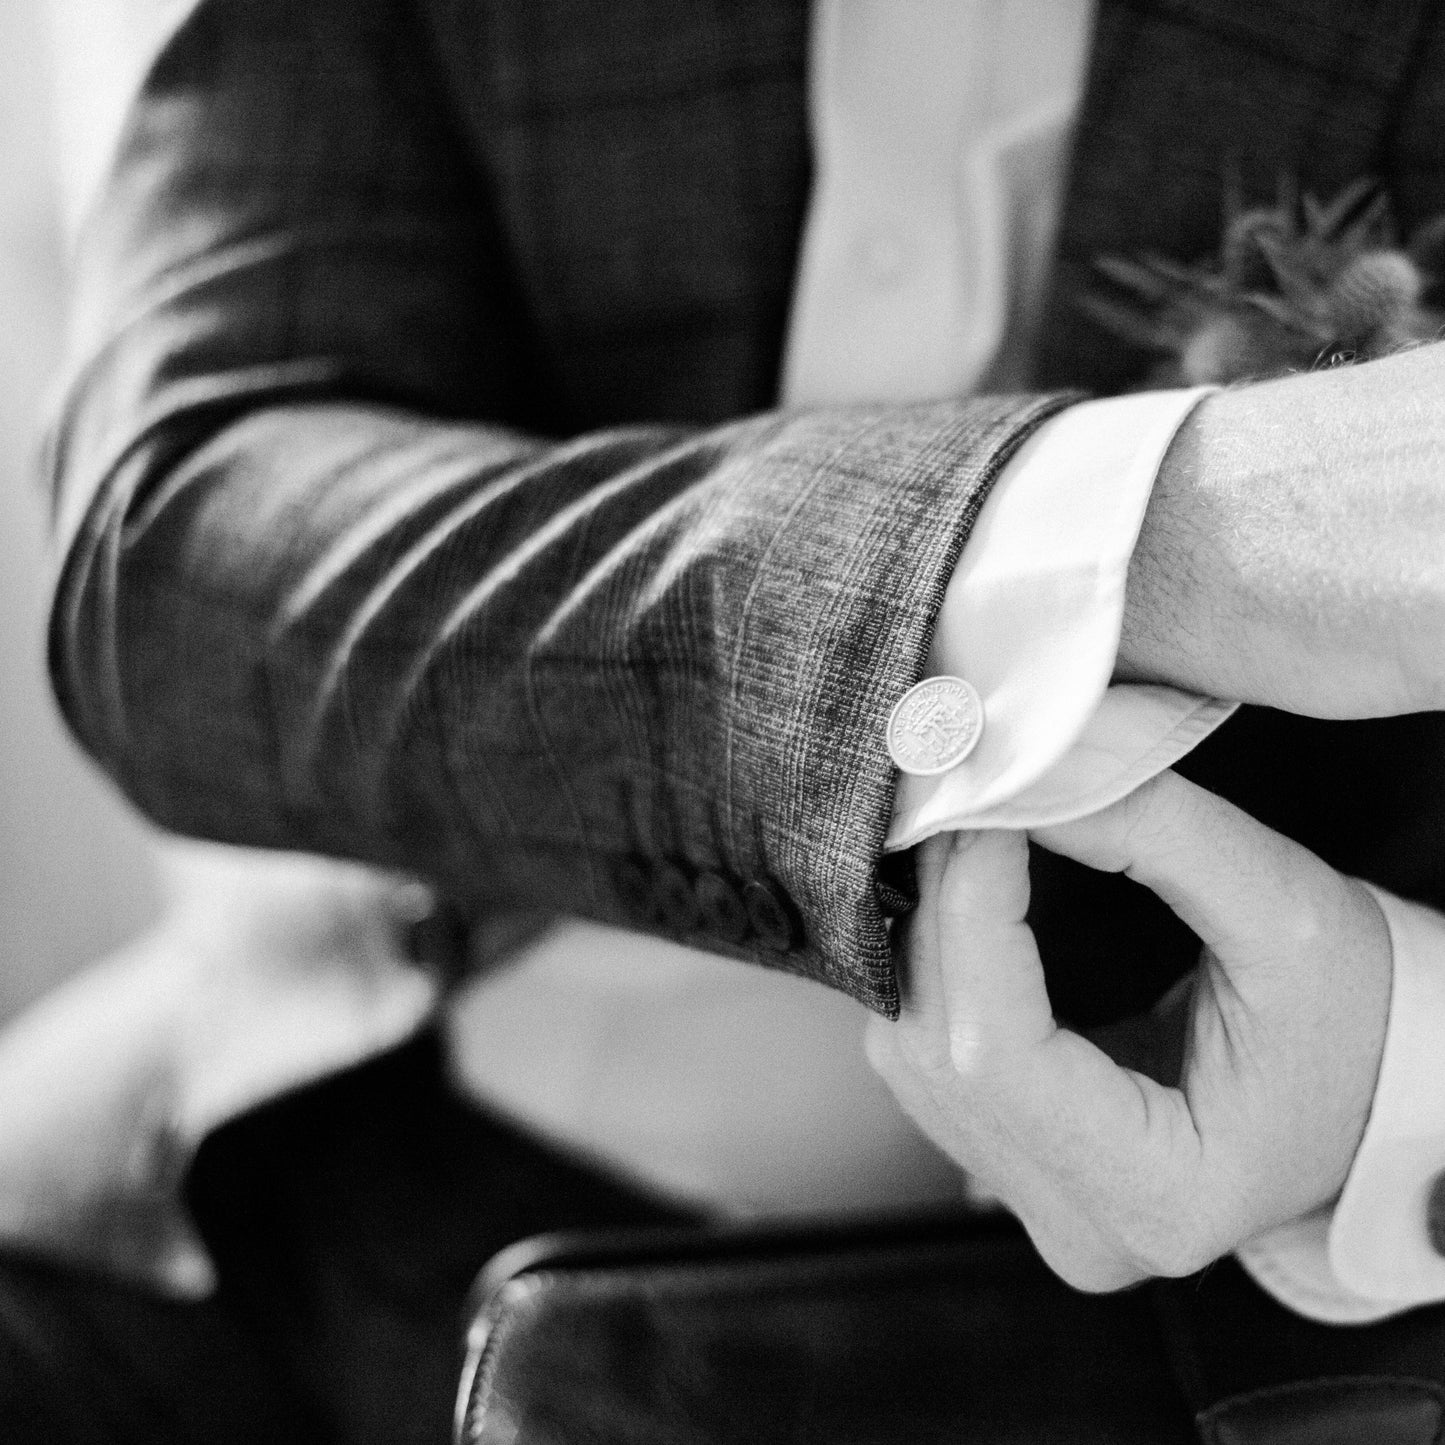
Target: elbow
87,624
116,621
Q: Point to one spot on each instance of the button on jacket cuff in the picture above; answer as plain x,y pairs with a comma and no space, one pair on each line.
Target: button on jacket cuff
1032,617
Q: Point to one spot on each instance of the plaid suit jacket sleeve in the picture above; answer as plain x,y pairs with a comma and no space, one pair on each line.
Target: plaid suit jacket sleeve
326,585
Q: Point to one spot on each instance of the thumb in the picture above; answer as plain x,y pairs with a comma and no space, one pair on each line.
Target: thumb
994,996
1234,881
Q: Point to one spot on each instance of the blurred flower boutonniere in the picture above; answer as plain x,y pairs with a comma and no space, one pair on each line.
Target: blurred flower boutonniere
1296,285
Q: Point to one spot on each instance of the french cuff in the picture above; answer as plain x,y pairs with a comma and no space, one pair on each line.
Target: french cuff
1372,1255
1031,619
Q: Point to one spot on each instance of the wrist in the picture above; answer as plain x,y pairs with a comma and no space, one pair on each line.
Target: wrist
1181,587
1289,554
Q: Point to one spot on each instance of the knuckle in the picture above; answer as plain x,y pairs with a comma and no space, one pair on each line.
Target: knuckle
1168,1248
1305,929
975,1060
1313,921
1116,1258
894,1050
1102,1275
1163,809
927,1053
1091,1270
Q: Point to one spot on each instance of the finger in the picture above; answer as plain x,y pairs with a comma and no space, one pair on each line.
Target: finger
1081,1254
994,996
1092,1155
1230,878
981,970
920,983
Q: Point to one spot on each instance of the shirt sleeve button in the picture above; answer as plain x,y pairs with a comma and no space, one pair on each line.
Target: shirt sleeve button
774,918
724,914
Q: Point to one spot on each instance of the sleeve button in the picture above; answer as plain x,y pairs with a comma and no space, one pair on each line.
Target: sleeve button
632,879
724,914
774,918
677,903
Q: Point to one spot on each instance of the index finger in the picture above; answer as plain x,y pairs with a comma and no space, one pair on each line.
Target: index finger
1083,1148
1230,878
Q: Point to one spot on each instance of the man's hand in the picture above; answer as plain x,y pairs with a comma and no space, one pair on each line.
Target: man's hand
1116,1176
1293,552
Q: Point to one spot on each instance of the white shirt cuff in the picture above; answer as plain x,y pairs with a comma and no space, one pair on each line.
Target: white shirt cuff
1031,618
1371,1256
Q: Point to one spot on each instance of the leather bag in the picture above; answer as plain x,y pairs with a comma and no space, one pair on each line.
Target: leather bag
914,1330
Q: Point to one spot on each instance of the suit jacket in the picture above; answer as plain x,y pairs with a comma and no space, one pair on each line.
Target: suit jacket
421,501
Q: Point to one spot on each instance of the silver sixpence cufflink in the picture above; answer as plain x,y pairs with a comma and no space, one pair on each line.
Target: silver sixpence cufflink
935,725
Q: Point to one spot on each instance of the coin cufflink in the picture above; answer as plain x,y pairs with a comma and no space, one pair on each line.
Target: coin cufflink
935,725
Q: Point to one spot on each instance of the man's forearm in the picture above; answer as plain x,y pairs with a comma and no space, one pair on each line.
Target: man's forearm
1293,551
531,676
329,580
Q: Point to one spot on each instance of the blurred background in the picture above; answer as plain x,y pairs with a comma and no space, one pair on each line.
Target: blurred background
77,872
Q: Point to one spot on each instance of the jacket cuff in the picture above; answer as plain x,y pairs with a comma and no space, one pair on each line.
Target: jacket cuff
871,544
1032,618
